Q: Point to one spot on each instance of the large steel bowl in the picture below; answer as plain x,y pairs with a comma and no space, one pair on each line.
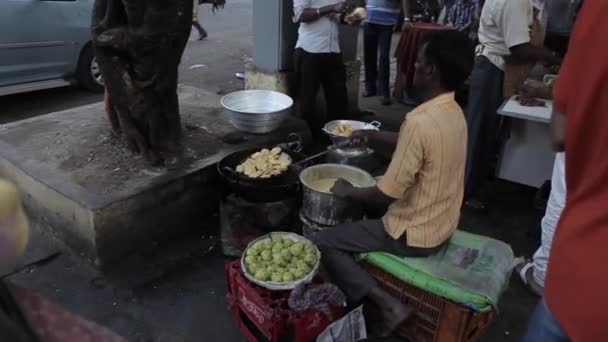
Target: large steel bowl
325,208
257,111
274,286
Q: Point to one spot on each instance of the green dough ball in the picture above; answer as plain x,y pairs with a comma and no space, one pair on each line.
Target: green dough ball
287,243
277,247
266,255
305,268
276,277
297,249
309,248
253,268
278,259
288,276
261,275
251,260
286,254
299,273
252,252
310,259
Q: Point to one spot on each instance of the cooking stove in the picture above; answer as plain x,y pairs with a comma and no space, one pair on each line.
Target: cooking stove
242,221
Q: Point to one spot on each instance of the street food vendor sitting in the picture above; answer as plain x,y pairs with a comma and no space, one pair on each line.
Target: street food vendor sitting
422,188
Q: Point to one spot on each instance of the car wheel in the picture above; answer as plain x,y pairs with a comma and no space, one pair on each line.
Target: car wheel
88,74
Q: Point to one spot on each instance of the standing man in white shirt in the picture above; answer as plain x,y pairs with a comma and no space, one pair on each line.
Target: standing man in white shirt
504,32
318,61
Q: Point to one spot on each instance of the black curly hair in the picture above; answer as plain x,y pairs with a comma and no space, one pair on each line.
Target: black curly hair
453,54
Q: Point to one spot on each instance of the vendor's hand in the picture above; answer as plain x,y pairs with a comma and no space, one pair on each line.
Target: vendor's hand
341,188
360,138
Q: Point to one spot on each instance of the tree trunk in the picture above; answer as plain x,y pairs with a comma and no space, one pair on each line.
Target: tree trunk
139,45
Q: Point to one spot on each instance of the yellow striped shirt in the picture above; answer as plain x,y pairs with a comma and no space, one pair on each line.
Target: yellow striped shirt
426,174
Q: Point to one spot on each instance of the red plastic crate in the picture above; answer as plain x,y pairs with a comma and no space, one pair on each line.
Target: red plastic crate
436,319
263,315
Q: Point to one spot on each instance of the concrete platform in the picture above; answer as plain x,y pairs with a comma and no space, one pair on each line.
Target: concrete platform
102,200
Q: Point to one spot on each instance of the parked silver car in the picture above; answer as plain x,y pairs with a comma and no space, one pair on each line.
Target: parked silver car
46,44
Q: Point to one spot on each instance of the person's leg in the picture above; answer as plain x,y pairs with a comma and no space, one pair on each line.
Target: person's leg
370,58
338,245
201,31
555,206
544,327
308,70
485,94
384,67
333,78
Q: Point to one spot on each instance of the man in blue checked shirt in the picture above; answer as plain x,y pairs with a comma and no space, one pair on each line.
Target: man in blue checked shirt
461,14
382,16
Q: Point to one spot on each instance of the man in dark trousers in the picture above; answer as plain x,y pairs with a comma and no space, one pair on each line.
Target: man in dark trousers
422,188
504,32
318,61
382,17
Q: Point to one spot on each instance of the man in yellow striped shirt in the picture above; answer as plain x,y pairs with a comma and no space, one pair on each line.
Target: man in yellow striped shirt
423,186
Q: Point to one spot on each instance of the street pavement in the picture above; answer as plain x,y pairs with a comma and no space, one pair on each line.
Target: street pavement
210,64
176,293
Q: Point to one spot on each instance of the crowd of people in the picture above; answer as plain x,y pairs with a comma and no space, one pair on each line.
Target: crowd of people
442,155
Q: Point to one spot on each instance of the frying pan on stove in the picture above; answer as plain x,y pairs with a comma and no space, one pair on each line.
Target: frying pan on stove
259,189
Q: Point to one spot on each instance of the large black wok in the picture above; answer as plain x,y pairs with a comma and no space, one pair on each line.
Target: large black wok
271,189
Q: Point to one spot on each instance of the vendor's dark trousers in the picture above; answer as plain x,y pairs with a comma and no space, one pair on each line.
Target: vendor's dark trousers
338,244
313,71
376,56
485,97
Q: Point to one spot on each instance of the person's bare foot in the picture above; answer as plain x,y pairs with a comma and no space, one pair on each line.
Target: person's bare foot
392,311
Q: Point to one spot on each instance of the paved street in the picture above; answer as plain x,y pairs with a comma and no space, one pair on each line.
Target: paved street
176,294
222,54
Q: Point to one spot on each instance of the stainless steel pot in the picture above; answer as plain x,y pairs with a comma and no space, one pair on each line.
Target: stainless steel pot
309,228
325,208
356,125
257,111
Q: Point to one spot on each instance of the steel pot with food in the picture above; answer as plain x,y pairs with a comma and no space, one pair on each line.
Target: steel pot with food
339,131
322,206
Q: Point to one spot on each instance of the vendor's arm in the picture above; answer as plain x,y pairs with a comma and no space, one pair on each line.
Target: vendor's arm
304,13
370,196
400,175
406,163
381,142
516,30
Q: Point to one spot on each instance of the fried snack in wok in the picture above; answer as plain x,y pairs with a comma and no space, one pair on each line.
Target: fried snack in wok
265,163
343,130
